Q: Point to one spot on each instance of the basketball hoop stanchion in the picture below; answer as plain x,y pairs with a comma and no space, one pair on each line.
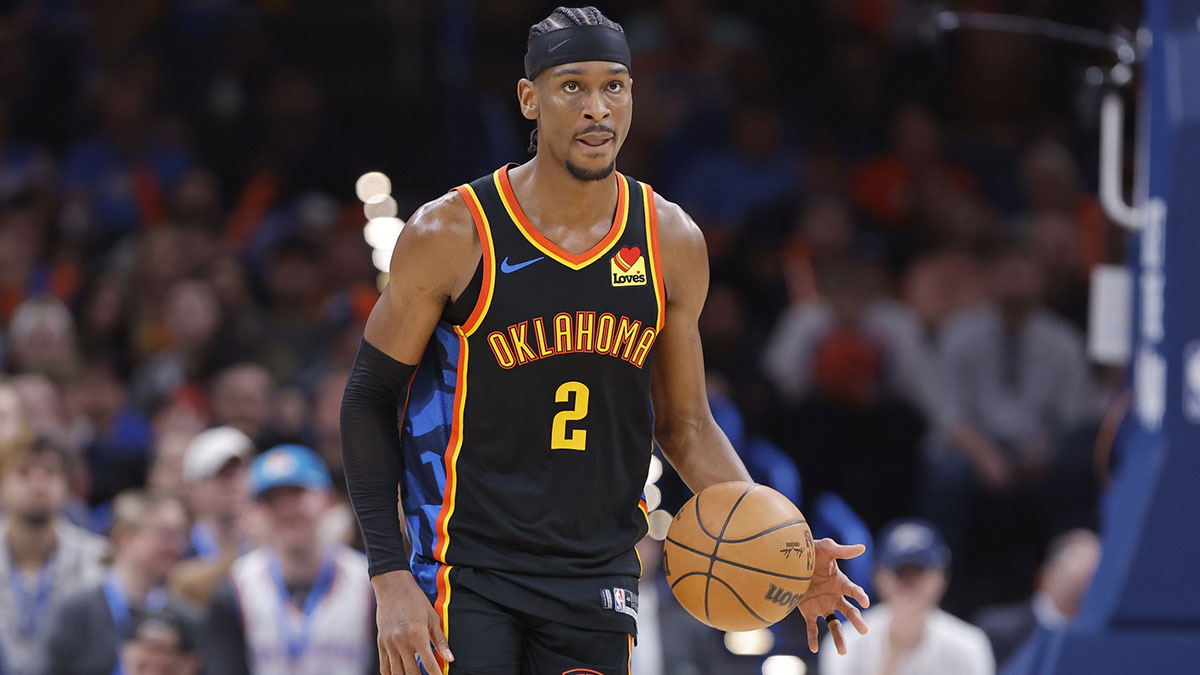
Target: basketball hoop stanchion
1142,613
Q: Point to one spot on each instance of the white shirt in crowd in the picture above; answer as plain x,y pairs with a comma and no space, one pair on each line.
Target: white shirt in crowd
949,646
335,636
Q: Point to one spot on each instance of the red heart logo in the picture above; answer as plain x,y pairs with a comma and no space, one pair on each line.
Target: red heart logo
626,257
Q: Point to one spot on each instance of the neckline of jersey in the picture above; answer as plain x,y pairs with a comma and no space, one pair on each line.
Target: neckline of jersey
543,244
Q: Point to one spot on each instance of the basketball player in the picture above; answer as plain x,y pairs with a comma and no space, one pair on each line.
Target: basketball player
537,335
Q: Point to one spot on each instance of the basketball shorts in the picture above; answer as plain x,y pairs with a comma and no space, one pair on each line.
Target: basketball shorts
489,638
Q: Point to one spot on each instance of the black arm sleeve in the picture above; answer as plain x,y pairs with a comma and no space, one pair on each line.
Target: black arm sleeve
376,391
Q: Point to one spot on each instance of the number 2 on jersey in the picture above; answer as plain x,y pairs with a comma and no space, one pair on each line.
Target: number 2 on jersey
577,440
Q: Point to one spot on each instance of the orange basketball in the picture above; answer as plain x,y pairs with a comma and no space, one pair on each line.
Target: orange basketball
738,556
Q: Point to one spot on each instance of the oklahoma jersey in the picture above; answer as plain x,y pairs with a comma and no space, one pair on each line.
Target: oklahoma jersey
528,430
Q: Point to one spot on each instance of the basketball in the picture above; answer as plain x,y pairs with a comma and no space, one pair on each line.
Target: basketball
738,556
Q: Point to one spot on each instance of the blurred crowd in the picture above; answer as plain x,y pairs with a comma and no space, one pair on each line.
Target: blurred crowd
900,231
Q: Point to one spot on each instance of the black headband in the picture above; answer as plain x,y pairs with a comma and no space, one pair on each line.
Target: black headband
577,43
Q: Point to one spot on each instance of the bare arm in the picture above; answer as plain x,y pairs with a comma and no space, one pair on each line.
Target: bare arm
683,423
433,261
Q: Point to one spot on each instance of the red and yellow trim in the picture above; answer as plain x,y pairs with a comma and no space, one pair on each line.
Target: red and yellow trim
552,250
453,449
443,611
484,228
654,255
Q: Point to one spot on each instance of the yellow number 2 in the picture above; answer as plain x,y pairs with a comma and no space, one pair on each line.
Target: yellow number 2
559,440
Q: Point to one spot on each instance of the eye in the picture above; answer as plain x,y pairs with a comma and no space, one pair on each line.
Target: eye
616,86
571,87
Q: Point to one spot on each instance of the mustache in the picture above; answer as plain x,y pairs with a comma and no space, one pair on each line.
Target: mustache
597,127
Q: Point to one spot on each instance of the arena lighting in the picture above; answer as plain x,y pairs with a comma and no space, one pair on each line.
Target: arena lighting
381,259
784,665
653,497
371,184
380,206
381,233
656,469
749,642
659,522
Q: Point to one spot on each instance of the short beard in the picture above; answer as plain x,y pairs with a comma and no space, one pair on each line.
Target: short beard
583,174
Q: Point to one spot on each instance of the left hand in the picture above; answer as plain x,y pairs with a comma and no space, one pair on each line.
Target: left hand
828,590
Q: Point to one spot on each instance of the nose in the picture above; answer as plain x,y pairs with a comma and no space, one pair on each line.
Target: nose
596,109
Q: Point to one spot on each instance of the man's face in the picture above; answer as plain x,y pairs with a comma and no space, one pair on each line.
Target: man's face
159,544
912,585
35,488
583,112
223,495
293,514
1016,282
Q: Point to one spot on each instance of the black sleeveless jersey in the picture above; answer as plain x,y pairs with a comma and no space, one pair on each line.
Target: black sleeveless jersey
528,432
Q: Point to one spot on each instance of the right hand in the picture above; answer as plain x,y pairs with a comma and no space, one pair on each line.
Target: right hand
407,626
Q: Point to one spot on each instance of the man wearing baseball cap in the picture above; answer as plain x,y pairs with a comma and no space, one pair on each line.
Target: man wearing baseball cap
295,606
214,475
910,634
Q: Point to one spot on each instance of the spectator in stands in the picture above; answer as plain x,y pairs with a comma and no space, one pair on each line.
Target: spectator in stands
215,477
1013,384
851,369
162,644
756,169
301,605
86,632
910,634
44,558
191,318
13,419
41,339
1062,582
166,468
1051,179
1055,245
241,398
895,188
1014,380
118,178
116,437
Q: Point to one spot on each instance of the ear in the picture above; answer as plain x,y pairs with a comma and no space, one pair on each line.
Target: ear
527,97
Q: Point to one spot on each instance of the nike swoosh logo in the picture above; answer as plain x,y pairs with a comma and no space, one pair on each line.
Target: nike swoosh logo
558,45
508,269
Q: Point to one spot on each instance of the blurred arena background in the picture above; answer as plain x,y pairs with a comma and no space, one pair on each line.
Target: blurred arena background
197,198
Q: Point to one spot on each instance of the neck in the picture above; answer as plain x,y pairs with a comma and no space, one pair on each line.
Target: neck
300,564
552,194
30,544
135,583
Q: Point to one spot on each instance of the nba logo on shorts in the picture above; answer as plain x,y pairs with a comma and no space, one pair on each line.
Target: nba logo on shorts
625,602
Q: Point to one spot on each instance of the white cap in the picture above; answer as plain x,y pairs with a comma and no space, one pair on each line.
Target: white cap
211,450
